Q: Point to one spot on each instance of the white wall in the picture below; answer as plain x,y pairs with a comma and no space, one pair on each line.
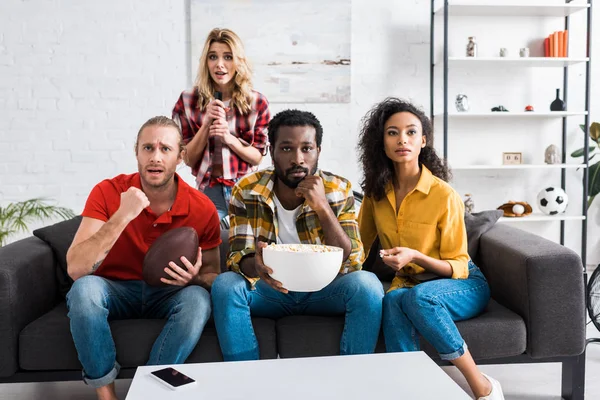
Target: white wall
77,79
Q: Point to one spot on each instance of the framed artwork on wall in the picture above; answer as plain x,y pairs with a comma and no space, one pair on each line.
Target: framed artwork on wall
299,49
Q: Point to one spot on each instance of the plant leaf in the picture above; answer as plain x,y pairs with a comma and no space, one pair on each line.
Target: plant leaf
594,180
579,152
15,217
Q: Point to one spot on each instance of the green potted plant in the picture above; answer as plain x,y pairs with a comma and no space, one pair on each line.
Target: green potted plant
15,217
593,169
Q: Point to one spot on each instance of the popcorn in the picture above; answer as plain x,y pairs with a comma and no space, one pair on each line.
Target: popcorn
302,248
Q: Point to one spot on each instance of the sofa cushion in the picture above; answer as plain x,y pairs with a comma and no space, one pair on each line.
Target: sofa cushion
477,224
59,237
46,343
375,264
498,332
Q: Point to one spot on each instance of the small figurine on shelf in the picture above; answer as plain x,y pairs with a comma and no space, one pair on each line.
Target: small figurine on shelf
462,103
503,52
529,108
469,203
558,104
499,108
552,155
471,47
524,52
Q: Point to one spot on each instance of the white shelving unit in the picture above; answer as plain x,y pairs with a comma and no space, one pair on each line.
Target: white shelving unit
537,217
514,12
521,166
510,114
511,62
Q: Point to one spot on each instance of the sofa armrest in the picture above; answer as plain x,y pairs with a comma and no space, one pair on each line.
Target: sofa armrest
541,281
28,290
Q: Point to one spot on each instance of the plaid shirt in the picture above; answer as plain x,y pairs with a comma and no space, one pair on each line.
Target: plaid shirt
250,128
254,217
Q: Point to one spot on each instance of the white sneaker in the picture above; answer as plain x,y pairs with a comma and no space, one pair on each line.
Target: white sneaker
496,393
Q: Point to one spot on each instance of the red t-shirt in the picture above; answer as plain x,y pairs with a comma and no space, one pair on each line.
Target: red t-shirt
124,261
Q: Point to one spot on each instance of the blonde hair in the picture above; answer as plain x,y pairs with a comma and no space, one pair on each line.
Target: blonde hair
163,122
242,97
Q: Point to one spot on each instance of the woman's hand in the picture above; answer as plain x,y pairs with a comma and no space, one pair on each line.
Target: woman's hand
214,111
220,128
397,257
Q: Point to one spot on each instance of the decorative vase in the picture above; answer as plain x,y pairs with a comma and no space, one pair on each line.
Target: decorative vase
558,104
471,47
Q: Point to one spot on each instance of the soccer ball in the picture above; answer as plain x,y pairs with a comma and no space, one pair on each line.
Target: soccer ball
552,200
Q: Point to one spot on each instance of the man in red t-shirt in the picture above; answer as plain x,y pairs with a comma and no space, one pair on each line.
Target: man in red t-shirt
122,218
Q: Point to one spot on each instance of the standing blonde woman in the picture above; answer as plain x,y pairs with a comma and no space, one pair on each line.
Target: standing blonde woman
222,119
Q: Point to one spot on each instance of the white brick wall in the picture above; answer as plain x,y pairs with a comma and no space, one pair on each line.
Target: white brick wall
77,79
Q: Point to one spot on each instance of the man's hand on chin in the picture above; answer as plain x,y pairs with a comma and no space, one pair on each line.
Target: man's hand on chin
312,189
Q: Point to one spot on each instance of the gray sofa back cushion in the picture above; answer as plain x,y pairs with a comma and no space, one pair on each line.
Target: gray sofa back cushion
477,224
59,237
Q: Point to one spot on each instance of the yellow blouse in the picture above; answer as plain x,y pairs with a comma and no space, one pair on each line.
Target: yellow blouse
430,219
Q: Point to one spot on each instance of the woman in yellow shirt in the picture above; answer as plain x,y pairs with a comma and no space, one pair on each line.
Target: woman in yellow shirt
419,219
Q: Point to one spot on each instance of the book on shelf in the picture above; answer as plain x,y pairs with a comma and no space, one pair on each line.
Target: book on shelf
557,44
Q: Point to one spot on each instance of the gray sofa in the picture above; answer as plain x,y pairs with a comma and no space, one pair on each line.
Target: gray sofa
537,313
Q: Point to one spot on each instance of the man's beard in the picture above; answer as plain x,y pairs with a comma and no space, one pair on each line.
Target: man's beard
163,184
292,182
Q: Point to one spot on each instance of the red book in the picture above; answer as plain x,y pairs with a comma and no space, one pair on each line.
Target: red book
547,47
566,44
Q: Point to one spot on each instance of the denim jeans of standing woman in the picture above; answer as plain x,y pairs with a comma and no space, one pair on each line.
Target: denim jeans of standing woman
220,195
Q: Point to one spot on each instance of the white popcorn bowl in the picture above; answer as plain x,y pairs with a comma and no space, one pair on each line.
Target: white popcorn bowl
303,271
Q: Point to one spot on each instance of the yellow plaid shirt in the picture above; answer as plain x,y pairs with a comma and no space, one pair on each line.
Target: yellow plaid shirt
254,217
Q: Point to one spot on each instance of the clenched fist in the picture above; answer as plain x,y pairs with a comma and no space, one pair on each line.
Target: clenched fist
133,201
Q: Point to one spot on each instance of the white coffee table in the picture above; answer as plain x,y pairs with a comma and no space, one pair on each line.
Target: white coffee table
401,375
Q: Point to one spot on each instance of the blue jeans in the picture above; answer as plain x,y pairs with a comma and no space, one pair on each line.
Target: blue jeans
430,309
93,301
220,195
357,295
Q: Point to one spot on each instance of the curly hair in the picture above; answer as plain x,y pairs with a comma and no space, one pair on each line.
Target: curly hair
294,118
378,168
242,97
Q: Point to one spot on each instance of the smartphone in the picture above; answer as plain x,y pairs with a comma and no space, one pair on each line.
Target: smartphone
172,378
